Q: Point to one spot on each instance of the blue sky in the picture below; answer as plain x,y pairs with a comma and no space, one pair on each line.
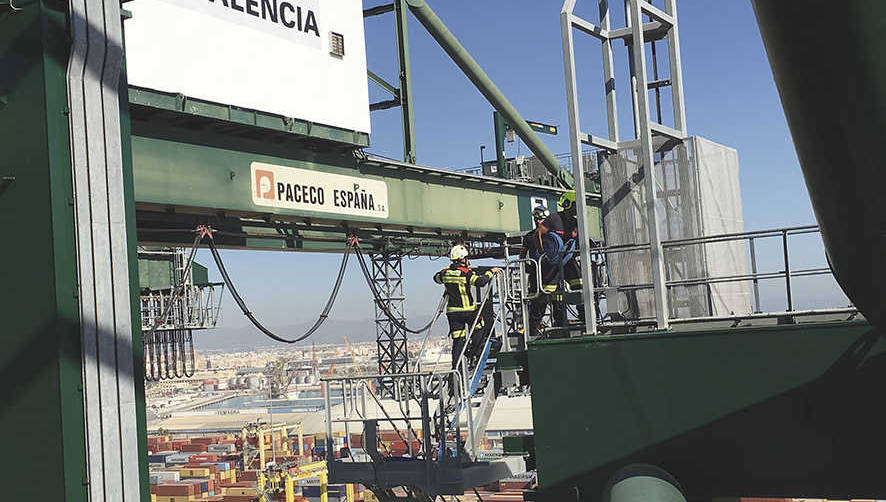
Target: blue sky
730,98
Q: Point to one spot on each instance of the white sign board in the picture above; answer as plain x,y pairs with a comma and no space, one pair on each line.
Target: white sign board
273,56
306,190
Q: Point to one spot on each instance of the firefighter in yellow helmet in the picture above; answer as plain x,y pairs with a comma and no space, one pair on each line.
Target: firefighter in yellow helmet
572,269
462,307
543,245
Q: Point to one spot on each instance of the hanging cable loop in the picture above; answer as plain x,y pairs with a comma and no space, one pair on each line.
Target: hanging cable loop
242,304
383,304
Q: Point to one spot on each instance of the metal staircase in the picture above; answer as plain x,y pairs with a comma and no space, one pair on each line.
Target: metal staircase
434,421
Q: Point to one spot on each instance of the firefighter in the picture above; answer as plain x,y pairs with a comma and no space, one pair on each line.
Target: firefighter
544,244
462,308
572,269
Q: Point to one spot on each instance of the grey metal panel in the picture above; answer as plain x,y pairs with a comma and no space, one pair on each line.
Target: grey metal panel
111,85
108,375
92,405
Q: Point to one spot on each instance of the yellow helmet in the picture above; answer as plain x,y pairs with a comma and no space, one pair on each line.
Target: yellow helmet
567,200
458,252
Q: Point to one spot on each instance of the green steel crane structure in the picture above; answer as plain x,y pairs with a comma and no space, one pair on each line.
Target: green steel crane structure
90,167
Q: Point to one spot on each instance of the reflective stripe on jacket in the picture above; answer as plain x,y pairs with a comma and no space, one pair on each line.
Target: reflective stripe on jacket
458,281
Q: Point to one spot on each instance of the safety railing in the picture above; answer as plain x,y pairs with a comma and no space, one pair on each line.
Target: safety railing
697,249
439,401
419,413
198,307
518,273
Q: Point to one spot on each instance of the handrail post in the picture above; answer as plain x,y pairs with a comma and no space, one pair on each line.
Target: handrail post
426,426
466,399
503,309
330,455
754,271
787,269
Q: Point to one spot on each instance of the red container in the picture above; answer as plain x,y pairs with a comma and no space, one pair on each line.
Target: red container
185,448
248,476
176,489
356,441
205,440
513,485
203,457
388,435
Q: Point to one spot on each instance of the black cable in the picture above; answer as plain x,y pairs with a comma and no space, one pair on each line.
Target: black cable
248,314
382,303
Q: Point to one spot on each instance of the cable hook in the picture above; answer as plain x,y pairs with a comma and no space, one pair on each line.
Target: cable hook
14,8
204,231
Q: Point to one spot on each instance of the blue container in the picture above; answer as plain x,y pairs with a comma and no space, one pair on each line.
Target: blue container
310,491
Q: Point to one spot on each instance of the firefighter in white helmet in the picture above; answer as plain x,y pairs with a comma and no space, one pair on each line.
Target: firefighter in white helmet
462,307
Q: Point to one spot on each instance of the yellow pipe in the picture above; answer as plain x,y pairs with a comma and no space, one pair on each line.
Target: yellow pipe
324,495
289,489
262,481
349,492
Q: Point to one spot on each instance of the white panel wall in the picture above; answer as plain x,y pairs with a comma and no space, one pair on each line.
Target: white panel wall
267,55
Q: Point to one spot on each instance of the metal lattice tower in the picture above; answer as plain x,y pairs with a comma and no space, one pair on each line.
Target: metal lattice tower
393,356
645,26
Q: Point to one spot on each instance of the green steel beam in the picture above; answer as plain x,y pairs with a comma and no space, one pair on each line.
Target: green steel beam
405,95
378,10
40,365
500,127
393,91
200,172
233,120
384,105
768,411
141,425
484,84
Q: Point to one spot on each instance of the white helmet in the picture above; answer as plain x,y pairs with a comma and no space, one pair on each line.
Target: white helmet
458,252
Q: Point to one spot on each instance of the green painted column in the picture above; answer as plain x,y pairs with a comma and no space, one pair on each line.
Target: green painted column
42,364
41,412
132,246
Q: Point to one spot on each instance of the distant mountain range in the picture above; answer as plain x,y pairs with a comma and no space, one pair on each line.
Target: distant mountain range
333,331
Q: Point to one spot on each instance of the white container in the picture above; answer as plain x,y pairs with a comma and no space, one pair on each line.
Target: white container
222,448
164,477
